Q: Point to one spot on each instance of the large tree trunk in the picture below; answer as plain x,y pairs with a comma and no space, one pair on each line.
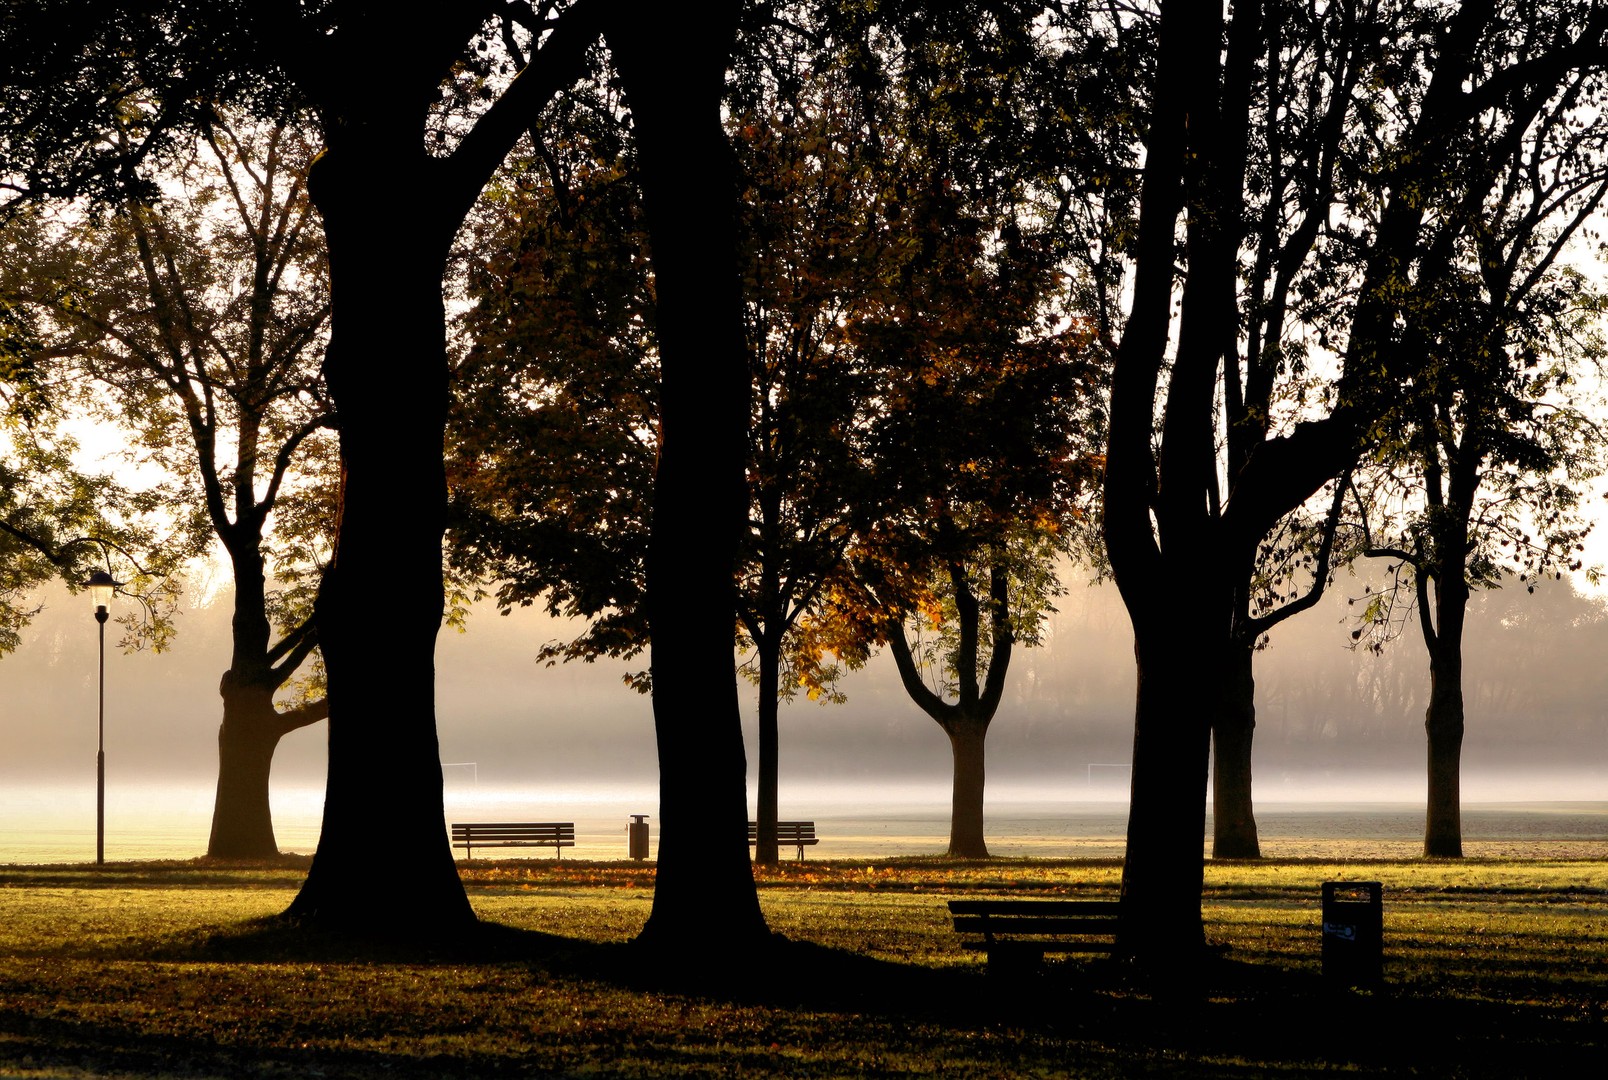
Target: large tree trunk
1163,872
1233,726
966,740
383,863
704,903
765,849
242,823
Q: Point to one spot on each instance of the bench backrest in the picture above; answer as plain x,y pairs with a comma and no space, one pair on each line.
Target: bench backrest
492,832
1035,917
787,832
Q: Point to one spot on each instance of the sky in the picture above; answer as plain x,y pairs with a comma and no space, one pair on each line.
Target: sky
1334,723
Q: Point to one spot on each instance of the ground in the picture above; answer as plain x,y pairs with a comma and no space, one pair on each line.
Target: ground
1494,968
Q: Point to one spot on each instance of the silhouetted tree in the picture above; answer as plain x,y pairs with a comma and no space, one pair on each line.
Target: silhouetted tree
412,140
197,323
704,903
1488,453
1355,237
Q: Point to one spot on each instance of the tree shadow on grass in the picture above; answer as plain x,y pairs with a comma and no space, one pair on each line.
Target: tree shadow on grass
1231,1019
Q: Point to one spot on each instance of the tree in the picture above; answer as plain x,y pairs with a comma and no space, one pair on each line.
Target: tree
1352,228
954,649
820,244
75,73
1490,447
413,142
983,450
924,265
565,368
199,322
704,890
396,149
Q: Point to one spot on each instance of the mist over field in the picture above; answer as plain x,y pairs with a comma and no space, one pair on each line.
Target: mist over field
1333,723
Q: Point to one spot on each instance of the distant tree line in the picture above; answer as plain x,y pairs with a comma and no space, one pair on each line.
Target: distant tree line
822,330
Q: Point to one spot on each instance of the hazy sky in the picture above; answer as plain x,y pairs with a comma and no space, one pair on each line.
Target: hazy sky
1537,694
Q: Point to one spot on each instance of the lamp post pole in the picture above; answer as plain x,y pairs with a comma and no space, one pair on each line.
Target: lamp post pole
101,586
100,747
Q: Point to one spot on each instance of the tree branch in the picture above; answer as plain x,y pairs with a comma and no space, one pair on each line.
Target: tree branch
556,65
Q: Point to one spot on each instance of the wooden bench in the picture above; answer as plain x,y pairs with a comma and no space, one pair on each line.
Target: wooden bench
487,834
1017,933
794,834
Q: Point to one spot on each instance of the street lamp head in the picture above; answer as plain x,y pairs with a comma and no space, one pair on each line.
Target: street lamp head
101,586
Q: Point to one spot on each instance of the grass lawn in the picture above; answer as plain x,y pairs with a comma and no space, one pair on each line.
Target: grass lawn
1494,968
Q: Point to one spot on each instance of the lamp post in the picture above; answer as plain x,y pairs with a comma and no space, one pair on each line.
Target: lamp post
101,586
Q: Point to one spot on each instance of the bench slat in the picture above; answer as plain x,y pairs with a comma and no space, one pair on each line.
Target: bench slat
1043,946
1017,932
516,834
1009,908
805,829
977,924
553,834
793,834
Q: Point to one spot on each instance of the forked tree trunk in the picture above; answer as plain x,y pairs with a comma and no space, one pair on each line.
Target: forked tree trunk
1233,728
383,864
966,743
965,721
242,822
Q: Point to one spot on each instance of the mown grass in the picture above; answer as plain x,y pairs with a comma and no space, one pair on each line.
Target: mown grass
1495,968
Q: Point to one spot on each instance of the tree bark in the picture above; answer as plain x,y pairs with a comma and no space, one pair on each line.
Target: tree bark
705,907
1163,869
1163,872
965,721
242,823
384,864
1443,722
1233,727
966,742
769,648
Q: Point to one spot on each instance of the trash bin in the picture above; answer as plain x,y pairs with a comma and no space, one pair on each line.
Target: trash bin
637,836
1353,932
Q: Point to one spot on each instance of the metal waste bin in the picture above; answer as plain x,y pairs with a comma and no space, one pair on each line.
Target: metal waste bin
637,836
1353,932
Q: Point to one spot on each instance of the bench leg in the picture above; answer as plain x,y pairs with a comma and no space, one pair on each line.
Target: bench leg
1011,960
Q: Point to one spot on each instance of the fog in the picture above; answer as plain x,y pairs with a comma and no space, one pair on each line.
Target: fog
1334,723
